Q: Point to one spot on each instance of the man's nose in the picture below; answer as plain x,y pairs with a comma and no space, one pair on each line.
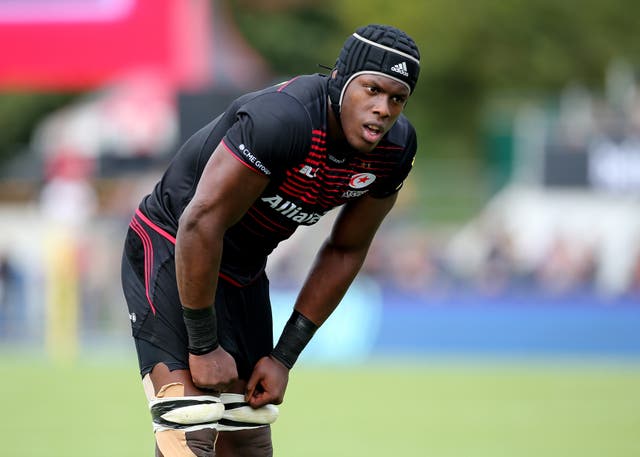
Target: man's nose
381,106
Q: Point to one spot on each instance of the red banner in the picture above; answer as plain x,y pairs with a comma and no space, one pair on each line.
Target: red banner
83,44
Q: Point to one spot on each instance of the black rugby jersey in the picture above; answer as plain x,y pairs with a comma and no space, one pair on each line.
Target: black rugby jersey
281,132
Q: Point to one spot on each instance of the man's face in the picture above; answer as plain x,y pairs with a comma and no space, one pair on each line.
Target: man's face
370,106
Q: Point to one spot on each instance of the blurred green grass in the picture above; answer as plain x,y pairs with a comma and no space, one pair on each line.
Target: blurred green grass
426,408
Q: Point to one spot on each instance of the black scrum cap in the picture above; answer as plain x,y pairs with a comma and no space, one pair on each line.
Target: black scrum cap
377,49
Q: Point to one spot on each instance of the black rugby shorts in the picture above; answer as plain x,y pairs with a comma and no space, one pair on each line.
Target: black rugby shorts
245,328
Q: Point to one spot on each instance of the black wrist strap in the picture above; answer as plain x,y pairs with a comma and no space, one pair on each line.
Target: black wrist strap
295,336
202,329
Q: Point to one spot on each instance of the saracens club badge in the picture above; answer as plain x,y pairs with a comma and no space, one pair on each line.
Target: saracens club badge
360,180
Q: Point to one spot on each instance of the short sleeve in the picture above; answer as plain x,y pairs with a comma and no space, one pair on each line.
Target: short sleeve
270,133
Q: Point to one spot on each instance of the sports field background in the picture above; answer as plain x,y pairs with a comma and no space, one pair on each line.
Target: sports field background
426,407
499,310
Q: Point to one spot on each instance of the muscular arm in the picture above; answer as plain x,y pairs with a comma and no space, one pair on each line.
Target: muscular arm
225,192
335,267
341,257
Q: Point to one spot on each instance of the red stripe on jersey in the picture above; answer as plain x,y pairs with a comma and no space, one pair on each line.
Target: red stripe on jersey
285,84
309,161
275,227
246,225
372,169
298,181
280,234
338,174
301,178
378,158
398,148
306,197
253,231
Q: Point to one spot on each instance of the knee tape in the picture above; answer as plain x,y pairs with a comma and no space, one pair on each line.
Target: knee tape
184,426
186,413
238,415
171,410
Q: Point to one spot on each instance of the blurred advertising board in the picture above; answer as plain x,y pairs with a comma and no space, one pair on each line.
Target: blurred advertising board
83,44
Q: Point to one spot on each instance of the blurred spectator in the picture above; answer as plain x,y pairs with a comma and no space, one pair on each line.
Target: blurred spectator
68,197
11,299
408,262
6,274
566,267
499,270
635,277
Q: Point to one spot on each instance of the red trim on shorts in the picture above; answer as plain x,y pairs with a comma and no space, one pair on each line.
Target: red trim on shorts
162,232
230,280
146,241
148,258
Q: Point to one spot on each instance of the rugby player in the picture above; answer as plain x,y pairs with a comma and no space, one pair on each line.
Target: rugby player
193,269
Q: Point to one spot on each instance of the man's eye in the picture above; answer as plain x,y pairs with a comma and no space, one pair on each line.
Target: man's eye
372,89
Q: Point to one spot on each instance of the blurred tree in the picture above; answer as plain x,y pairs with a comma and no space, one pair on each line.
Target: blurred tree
19,112
472,50
294,36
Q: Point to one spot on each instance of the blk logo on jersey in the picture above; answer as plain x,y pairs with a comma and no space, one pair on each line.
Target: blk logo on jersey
360,180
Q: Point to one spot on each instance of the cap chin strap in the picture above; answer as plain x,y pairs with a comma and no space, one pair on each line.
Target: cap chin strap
335,107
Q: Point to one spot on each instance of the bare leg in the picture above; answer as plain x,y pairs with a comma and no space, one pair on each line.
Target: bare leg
176,443
244,443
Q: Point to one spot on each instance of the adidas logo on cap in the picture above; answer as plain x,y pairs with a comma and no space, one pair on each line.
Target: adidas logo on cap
401,68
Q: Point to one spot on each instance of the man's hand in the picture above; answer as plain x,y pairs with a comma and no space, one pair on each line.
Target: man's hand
268,383
215,370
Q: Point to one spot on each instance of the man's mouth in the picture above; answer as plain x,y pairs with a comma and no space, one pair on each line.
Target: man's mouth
373,132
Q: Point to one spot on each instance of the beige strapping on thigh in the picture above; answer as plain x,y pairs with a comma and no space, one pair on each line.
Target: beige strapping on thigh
174,443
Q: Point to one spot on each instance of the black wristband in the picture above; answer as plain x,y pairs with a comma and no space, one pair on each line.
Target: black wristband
295,336
202,329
